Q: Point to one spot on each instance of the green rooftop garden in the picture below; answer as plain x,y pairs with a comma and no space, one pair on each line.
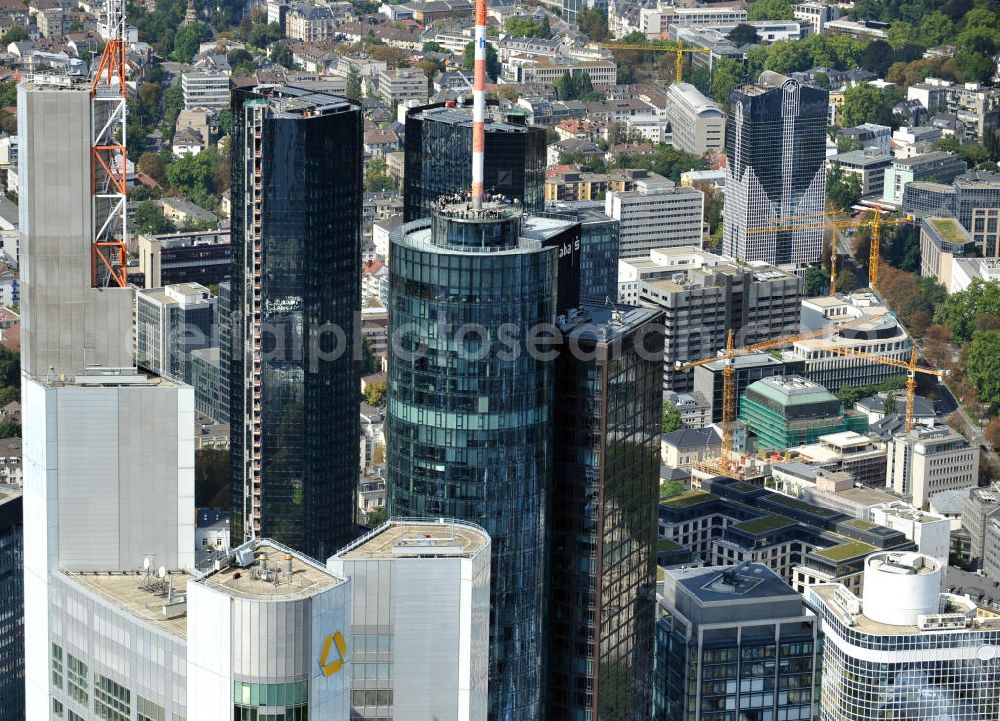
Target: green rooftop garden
860,524
846,551
689,498
764,524
790,502
950,230
665,544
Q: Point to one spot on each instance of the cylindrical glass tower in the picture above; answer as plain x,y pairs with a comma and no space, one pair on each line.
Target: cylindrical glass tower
469,415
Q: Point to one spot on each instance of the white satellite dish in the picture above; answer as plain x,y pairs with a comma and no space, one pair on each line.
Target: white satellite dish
145,563
162,572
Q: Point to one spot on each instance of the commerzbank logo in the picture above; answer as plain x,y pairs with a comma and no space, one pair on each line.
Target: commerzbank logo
332,658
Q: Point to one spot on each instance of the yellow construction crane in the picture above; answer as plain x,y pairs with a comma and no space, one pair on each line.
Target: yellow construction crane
875,221
660,46
910,367
728,356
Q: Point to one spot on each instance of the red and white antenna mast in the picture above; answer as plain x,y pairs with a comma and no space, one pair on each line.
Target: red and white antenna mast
108,158
479,106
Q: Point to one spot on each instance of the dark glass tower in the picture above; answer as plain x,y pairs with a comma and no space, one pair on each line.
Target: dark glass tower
11,606
295,289
776,177
470,411
605,489
438,159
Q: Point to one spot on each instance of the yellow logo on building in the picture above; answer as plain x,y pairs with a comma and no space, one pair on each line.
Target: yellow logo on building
331,667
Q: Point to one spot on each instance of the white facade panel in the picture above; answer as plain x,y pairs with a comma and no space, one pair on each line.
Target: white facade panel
329,695
209,658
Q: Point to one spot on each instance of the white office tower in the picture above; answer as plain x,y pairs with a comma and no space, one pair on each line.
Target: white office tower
420,621
905,650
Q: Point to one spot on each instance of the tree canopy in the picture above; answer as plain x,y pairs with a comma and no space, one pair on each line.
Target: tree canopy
492,59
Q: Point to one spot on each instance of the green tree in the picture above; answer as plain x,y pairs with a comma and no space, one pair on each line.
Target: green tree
282,54
432,47
149,219
787,56
353,90
226,121
935,29
198,177
847,143
8,93
983,367
900,34
10,429
186,42
743,34
211,478
374,394
962,312
727,75
492,60
173,103
375,517
815,281
770,10
521,26
866,104
152,165
242,63
670,420
261,35
14,35
842,189
10,368
375,176
593,22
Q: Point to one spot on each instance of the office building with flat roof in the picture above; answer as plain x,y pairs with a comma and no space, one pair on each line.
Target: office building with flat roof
868,165
937,165
735,639
408,577
776,146
438,159
873,329
697,124
703,299
293,306
205,88
656,215
981,505
603,524
925,461
201,256
169,643
902,646
600,247
171,323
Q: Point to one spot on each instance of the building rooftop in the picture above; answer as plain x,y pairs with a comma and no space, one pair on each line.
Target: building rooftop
832,595
765,524
419,539
603,323
689,498
143,595
692,438
268,571
846,551
791,390
866,496
949,230
746,582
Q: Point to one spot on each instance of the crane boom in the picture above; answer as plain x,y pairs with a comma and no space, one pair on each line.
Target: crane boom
659,46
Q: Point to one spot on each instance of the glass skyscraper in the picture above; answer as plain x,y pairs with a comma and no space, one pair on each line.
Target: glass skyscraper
599,247
295,290
470,411
438,159
776,176
11,606
605,491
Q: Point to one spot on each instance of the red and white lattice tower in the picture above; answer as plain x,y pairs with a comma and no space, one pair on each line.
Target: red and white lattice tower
479,106
109,166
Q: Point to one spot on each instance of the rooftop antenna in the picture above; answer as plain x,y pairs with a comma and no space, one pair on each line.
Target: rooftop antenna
479,106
